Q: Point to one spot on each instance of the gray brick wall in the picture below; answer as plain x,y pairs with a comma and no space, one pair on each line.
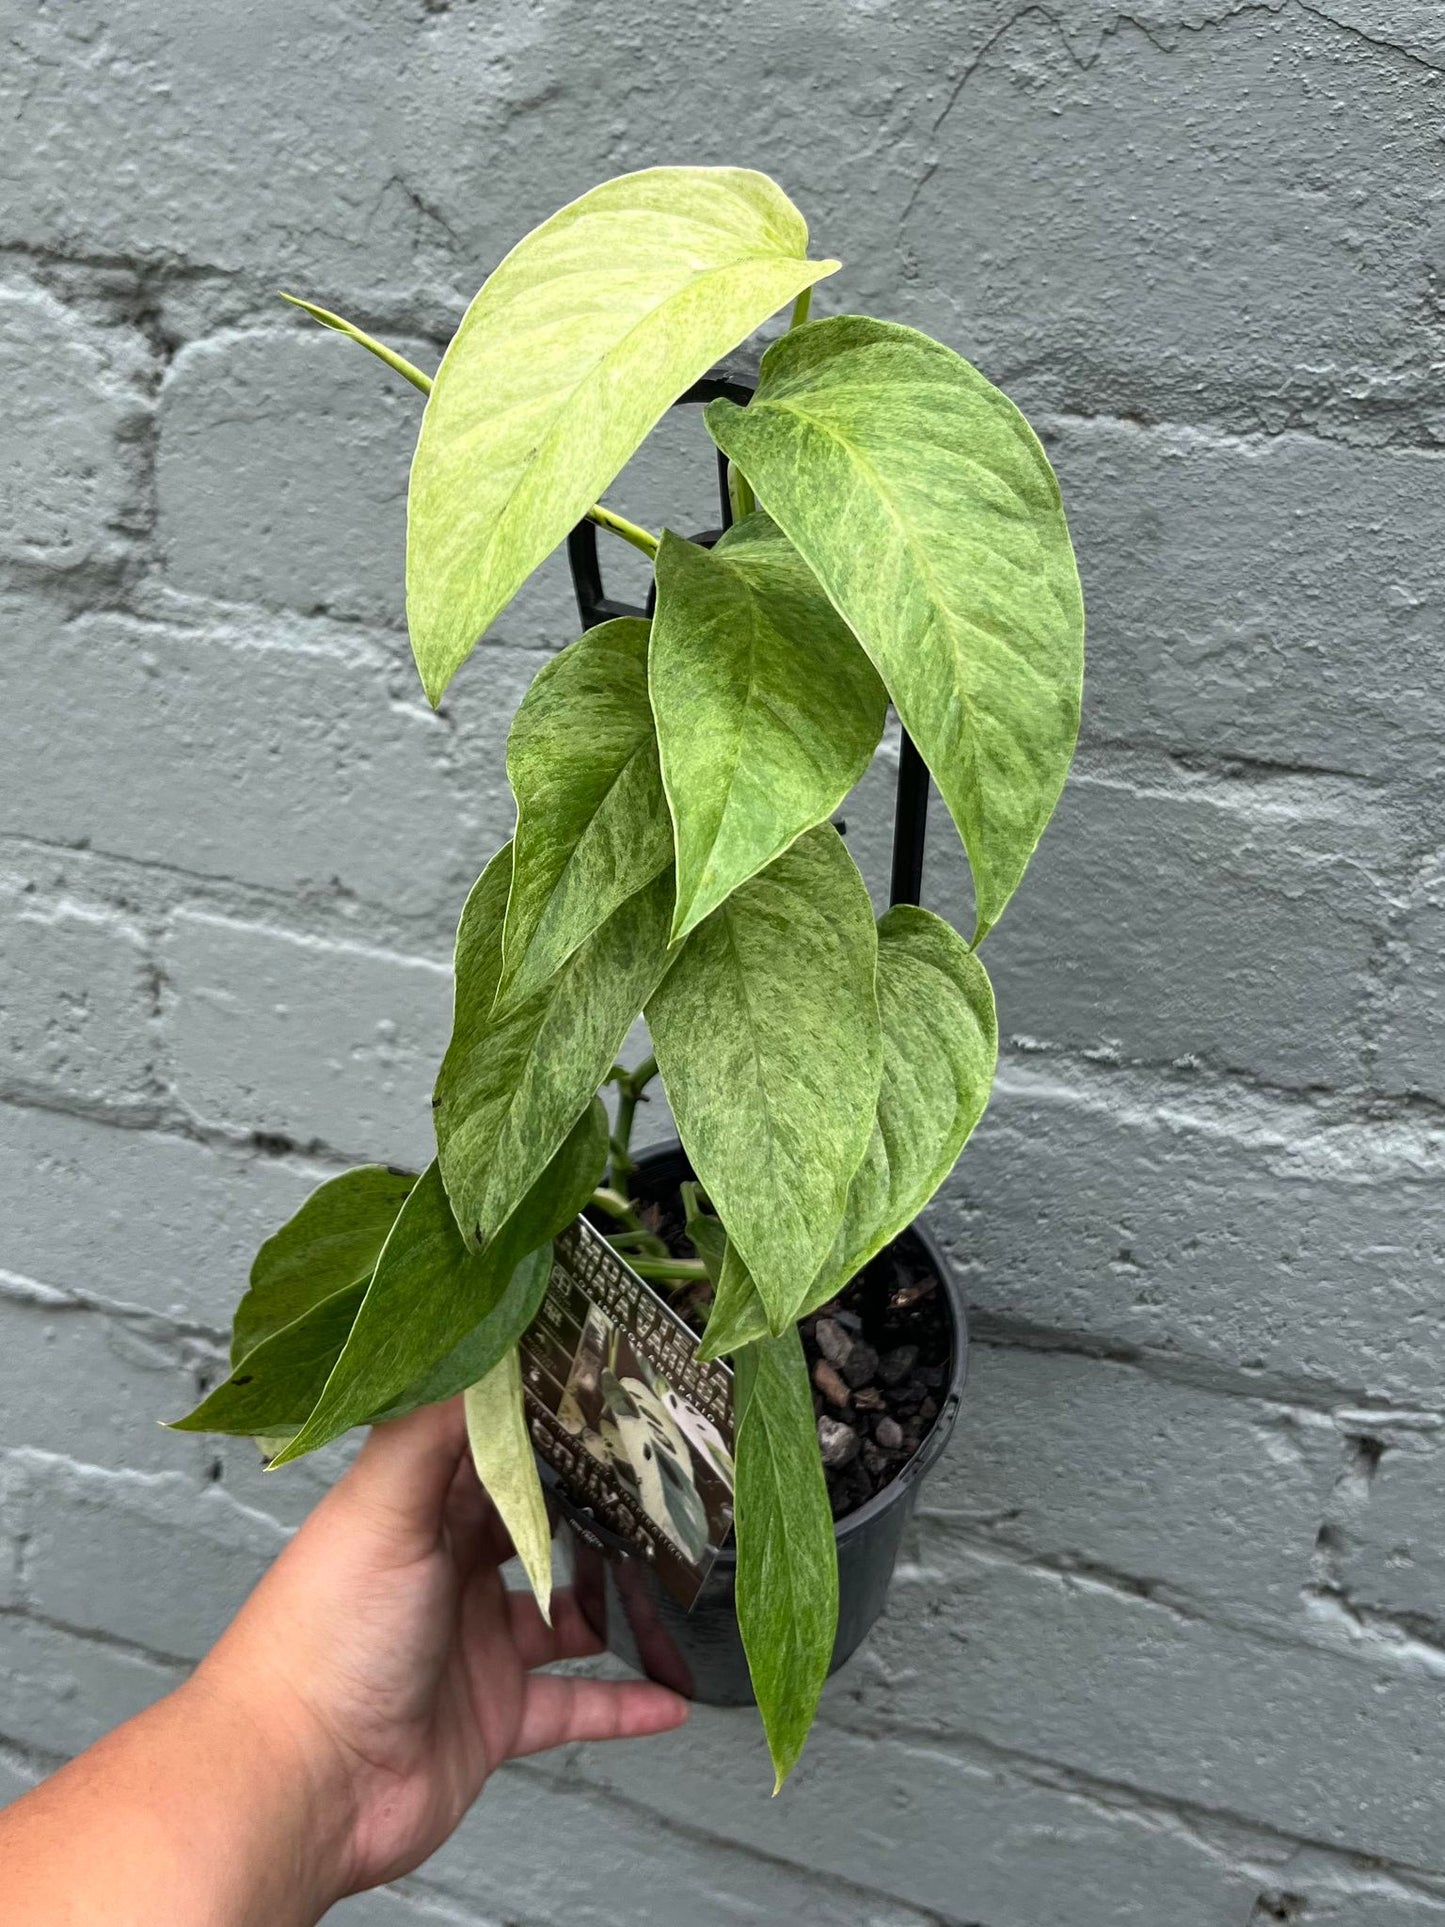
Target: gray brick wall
1168,1642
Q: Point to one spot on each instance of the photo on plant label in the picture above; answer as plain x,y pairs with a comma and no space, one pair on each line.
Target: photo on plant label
621,1410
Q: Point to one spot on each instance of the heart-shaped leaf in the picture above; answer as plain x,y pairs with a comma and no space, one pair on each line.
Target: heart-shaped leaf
591,822
766,1032
940,1046
767,709
332,1241
513,1084
275,1385
502,1453
787,1577
923,503
429,1291
574,348
437,1316
559,1194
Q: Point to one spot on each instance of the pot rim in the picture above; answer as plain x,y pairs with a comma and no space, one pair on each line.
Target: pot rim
930,1446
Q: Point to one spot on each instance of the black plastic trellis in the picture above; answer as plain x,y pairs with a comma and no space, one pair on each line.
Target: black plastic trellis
594,605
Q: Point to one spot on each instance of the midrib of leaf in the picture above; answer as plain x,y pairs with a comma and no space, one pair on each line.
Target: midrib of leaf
545,446
956,619
759,1080
566,871
770,1562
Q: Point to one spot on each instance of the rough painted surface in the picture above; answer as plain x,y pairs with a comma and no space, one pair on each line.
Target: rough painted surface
1169,1639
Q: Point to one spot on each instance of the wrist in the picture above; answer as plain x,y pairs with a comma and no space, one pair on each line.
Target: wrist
287,1797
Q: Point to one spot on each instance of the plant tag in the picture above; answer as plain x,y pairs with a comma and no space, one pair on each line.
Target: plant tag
637,1428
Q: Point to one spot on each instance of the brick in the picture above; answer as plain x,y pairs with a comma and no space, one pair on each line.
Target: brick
1385,1550
1227,617
1186,234
964,1833
298,190
60,1693
286,1495
151,1561
1205,921
1253,1237
66,483
75,999
1083,1462
1314,1892
392,1907
321,1042
17,1776
296,757
1179,1707
1408,1056
620,1866
281,473
14,1522
138,1218
83,1386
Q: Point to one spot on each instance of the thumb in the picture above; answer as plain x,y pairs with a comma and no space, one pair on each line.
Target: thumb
403,1474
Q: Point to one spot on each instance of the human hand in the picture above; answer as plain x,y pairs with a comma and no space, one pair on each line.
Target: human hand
384,1654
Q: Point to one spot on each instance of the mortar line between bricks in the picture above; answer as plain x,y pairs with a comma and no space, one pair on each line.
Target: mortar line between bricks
1372,1638
62,1299
95,1636
1114,1796
263,1146
1319,1397
18,843
568,1781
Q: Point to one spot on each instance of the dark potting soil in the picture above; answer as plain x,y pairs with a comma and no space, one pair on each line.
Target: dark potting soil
878,1354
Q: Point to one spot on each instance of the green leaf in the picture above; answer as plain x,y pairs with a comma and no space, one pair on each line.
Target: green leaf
568,1183
923,503
574,348
512,1084
591,821
787,1578
502,1453
767,1035
331,1242
274,1386
738,1316
767,709
435,1306
940,1046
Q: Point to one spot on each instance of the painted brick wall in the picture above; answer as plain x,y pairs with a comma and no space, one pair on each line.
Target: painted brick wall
1168,1645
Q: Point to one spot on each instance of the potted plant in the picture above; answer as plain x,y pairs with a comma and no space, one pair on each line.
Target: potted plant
897,537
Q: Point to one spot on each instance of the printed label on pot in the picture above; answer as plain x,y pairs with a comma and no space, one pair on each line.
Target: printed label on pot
636,1427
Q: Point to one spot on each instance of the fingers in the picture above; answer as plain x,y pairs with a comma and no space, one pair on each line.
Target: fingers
538,1644
558,1710
404,1473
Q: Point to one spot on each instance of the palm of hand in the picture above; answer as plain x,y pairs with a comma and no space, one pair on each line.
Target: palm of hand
403,1659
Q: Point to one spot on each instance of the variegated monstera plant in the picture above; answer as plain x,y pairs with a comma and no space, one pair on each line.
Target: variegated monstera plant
898,538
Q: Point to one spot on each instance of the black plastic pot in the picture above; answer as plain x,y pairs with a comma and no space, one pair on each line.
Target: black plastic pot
700,1652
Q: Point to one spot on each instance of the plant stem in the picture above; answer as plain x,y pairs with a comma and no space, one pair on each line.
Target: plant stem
631,1086
604,518
378,348
802,308
629,531
740,493
670,1270
616,1206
